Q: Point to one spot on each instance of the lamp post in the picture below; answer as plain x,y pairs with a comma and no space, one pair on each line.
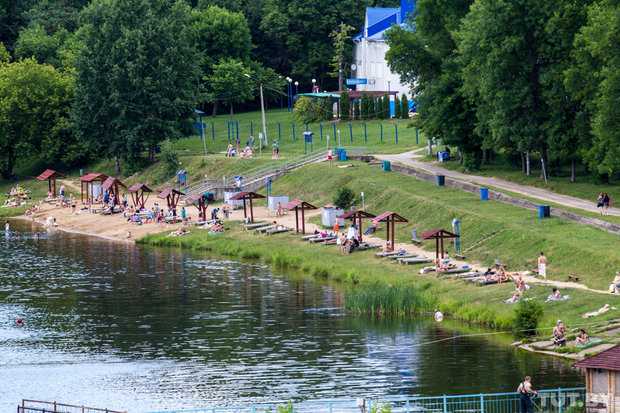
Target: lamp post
314,87
289,93
262,114
296,87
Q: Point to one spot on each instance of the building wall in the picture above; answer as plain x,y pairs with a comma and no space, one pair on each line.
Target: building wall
369,57
603,386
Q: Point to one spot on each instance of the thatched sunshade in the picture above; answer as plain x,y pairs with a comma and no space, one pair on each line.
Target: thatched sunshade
86,184
137,192
390,218
438,235
112,185
357,217
247,196
200,202
50,176
297,205
172,197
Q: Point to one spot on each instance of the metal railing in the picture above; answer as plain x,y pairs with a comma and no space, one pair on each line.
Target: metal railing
549,401
37,406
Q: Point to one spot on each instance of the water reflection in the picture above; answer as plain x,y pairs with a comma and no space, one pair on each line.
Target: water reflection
145,329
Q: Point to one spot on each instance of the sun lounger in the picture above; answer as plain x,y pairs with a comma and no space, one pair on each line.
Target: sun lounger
262,230
456,270
322,239
255,225
385,254
427,270
279,230
365,246
464,275
414,260
402,256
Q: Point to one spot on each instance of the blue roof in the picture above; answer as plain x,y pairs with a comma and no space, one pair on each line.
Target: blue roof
376,14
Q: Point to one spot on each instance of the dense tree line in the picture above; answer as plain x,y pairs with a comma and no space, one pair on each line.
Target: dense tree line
520,77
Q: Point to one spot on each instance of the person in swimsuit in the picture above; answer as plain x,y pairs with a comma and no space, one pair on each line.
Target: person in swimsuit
526,392
542,265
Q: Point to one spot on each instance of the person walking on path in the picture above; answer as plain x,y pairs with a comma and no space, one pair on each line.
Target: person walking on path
606,203
542,265
526,392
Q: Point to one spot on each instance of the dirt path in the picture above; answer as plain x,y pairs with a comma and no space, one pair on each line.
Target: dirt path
412,159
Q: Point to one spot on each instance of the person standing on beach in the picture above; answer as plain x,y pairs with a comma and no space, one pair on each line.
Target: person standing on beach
526,392
542,265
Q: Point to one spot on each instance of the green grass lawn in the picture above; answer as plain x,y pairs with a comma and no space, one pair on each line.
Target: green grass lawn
283,126
576,249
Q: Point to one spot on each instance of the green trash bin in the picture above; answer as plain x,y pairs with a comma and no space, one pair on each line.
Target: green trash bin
387,166
441,180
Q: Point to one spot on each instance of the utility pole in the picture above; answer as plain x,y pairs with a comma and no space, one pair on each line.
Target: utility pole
262,110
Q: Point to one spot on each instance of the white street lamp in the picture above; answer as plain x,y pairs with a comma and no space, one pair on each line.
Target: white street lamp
262,112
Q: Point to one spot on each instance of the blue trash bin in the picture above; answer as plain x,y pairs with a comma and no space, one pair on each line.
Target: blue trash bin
342,156
386,166
484,194
544,211
441,180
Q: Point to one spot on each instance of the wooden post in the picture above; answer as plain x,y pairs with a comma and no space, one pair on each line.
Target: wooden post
393,232
437,249
251,211
441,240
391,248
303,220
245,214
296,219
359,217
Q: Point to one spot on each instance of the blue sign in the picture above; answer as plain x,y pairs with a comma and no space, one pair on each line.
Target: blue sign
357,81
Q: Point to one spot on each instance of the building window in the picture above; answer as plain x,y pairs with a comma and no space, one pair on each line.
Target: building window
599,381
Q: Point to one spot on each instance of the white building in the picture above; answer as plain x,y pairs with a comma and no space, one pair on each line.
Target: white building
370,65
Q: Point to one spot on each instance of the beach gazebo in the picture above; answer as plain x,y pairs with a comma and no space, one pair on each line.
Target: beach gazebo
172,197
356,217
247,196
112,185
439,235
390,218
602,380
200,201
50,176
137,192
90,185
299,205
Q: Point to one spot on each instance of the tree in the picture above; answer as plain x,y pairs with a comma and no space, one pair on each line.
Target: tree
229,83
397,108
5,57
13,17
593,80
35,115
501,51
341,42
345,198
364,106
137,76
386,106
345,106
55,15
273,83
34,41
404,107
357,109
308,110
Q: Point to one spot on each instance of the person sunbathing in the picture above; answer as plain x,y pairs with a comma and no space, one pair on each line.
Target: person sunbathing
614,288
582,338
555,295
520,284
516,297
559,334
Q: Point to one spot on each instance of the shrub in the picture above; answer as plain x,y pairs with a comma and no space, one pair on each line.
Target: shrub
397,108
345,106
404,107
527,316
345,198
308,110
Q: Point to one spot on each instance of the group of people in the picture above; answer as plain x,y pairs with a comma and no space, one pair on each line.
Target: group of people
603,202
347,241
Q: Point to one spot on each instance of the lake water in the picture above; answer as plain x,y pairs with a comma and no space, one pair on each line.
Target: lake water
142,329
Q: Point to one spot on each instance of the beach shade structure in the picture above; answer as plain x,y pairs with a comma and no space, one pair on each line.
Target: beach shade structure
390,218
201,202
112,185
137,192
90,185
172,197
247,196
299,205
439,235
356,217
50,176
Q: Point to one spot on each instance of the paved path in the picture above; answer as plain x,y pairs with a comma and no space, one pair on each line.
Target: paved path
412,159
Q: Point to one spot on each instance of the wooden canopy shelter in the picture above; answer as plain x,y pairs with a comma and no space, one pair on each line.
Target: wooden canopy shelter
297,205
137,192
172,197
112,185
438,235
356,217
390,218
86,184
247,196
201,203
50,176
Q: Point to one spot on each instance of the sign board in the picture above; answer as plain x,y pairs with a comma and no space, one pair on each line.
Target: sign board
357,81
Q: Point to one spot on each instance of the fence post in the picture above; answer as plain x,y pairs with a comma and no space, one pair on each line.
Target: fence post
82,408
237,131
251,128
381,126
279,132
560,409
213,131
417,136
365,134
228,127
321,131
293,126
330,407
350,132
334,127
396,132
481,403
445,404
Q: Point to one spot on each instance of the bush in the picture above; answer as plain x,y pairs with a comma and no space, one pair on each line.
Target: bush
404,107
308,110
527,316
345,106
345,198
